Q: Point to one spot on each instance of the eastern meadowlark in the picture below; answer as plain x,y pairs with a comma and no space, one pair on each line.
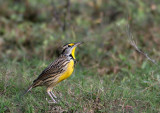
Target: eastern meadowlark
57,71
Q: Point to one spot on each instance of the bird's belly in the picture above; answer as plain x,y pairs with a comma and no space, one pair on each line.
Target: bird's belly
68,71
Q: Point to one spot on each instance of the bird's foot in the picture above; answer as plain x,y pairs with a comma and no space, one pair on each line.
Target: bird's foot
51,101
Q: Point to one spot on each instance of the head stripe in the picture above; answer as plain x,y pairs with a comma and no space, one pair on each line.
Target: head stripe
71,44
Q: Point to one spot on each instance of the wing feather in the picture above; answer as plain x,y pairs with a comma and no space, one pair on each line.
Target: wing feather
55,68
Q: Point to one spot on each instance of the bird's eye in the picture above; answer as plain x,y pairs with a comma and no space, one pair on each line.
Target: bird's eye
69,46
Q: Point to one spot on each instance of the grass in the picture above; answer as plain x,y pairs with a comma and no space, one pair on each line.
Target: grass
84,91
110,75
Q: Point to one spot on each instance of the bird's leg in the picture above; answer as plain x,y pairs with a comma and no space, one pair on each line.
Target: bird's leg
49,93
57,99
53,94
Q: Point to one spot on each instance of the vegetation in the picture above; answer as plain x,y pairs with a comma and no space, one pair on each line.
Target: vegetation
110,76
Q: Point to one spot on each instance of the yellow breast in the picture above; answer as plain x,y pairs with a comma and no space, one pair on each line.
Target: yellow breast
68,72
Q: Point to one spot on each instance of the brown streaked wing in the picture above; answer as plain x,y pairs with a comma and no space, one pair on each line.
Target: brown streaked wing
54,68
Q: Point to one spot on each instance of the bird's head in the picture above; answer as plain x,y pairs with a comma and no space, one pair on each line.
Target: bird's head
69,49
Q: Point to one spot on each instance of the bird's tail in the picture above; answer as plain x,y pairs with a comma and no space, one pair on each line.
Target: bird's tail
35,84
28,90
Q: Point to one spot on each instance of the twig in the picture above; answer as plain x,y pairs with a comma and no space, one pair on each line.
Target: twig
132,42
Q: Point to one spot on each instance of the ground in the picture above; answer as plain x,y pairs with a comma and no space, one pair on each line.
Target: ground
110,75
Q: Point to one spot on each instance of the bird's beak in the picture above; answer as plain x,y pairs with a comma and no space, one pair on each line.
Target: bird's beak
76,44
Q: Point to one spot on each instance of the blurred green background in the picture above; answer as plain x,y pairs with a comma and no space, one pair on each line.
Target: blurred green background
114,76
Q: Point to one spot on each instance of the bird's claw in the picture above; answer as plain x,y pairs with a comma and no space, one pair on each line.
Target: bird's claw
51,101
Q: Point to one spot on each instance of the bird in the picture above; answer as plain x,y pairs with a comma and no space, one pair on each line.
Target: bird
57,71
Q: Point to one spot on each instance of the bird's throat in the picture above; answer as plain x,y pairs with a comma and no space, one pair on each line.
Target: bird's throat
73,53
